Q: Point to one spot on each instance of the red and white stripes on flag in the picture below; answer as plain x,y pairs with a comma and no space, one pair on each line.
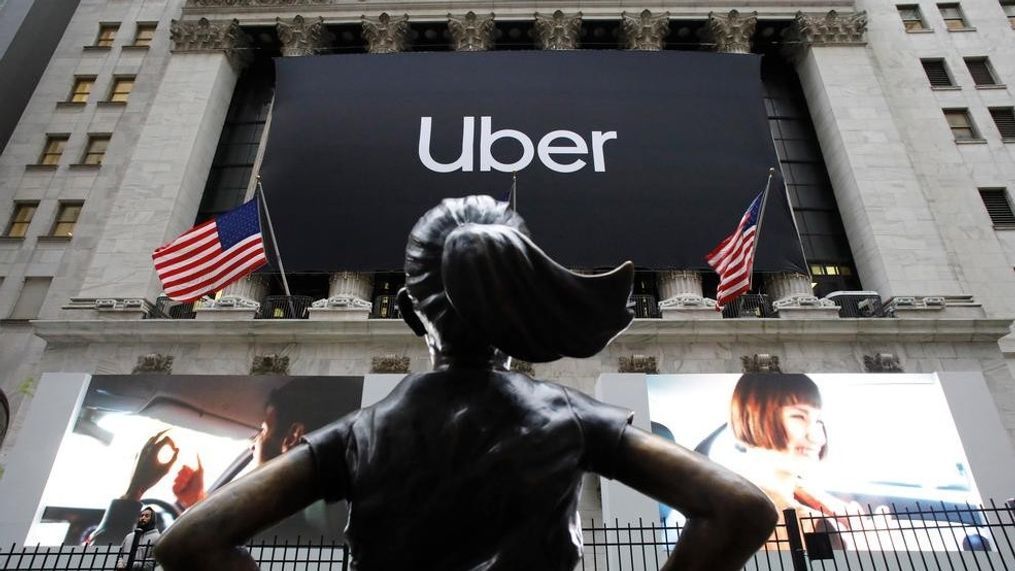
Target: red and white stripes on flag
211,255
733,258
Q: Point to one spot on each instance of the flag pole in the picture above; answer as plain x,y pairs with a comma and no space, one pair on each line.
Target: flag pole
514,191
761,217
274,243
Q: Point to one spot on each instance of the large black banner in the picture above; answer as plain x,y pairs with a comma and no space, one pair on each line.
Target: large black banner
647,156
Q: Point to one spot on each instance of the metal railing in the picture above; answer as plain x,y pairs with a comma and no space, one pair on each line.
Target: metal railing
166,308
645,306
945,537
858,304
285,307
385,307
750,305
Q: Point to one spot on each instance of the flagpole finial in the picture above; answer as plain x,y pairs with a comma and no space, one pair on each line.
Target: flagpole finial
770,171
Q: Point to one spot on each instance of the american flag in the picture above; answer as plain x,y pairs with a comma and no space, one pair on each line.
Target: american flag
733,258
211,255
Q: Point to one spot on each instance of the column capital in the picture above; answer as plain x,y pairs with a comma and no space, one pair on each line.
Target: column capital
204,35
830,29
303,38
471,33
559,31
732,31
645,31
386,34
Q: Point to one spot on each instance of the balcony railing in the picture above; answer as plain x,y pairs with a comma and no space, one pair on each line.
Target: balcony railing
285,307
750,305
858,304
166,308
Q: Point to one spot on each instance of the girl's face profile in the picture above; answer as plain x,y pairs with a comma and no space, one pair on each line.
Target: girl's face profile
805,430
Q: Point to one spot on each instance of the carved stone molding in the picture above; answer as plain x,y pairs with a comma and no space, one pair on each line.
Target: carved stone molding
732,32
830,29
153,363
646,32
882,363
760,363
471,33
205,35
302,38
271,364
386,35
638,364
392,364
559,31
255,3
523,367
342,302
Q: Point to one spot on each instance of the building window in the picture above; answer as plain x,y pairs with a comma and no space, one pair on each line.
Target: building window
81,90
21,219
937,73
5,416
952,15
144,35
96,149
1004,118
107,34
912,19
122,86
981,71
998,206
961,124
66,218
53,150
33,293
830,270
1009,10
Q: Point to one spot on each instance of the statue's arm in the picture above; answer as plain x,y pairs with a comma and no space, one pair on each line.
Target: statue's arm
210,534
729,518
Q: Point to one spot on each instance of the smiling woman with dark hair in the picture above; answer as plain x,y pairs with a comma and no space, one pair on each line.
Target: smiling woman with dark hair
471,466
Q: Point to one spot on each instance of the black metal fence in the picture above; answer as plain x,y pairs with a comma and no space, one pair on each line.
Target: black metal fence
285,307
945,537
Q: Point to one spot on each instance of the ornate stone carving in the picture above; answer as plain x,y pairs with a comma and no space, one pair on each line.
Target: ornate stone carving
229,302
386,35
393,364
645,31
302,38
639,364
559,31
471,33
681,289
760,363
271,364
732,32
793,291
205,35
254,3
830,29
882,363
153,363
523,367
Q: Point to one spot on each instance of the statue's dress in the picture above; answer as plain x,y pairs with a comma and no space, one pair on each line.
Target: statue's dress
466,470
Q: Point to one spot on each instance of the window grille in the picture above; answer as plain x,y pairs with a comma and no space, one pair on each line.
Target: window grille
995,200
937,73
980,69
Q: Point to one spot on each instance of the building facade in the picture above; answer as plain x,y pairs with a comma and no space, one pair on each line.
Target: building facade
893,123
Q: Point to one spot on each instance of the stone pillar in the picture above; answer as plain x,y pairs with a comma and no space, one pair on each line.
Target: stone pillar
348,298
731,32
386,35
471,33
239,300
793,297
645,32
868,162
559,31
682,298
162,185
302,38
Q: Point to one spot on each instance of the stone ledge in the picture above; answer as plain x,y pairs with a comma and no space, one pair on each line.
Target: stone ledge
643,330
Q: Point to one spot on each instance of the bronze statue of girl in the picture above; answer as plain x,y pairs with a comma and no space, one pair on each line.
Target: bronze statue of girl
470,466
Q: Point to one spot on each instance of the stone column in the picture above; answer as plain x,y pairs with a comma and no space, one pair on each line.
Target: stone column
348,298
731,32
386,35
793,297
645,32
868,162
471,33
163,182
682,298
239,300
302,38
559,31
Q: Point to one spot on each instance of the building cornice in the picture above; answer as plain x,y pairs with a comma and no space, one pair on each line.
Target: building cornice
264,12
754,331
